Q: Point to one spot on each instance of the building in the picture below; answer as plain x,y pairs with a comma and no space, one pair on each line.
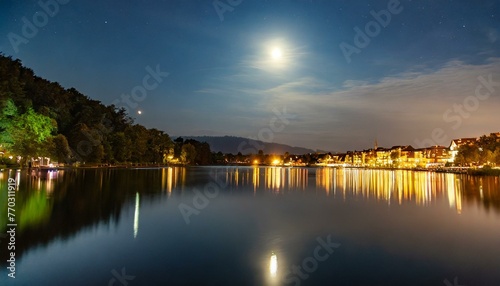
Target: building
436,156
404,156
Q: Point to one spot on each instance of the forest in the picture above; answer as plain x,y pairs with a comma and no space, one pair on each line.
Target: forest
39,118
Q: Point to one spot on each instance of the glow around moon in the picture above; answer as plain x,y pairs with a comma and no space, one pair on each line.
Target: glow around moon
277,53
274,56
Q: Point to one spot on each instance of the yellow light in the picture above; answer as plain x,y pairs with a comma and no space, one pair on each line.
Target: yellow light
256,162
276,162
273,265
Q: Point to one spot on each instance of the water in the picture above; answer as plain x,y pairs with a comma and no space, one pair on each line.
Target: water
253,226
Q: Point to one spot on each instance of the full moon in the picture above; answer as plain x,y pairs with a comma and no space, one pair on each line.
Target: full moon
139,112
276,53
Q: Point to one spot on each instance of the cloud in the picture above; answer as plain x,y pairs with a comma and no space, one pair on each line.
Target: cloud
396,109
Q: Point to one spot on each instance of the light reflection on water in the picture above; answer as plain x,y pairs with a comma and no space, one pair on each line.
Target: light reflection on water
273,265
392,186
172,178
136,215
65,202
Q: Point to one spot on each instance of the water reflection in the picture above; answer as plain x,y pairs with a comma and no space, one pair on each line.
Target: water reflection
256,178
172,178
59,204
45,179
454,192
400,185
275,179
392,186
273,265
136,215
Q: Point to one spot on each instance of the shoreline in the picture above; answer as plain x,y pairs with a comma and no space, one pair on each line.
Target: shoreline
449,170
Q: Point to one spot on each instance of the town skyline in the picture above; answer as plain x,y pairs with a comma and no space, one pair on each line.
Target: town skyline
374,142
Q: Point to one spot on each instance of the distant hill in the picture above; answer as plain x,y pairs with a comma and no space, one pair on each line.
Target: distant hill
232,144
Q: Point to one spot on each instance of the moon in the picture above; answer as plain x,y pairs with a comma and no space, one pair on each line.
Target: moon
276,53
139,112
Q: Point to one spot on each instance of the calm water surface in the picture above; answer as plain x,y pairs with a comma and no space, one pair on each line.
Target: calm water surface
252,226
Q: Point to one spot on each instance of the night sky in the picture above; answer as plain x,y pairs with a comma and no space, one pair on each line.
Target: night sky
232,65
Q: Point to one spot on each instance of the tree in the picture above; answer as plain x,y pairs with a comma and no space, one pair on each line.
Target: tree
205,154
121,147
159,145
486,157
188,153
60,148
286,156
496,156
467,155
488,142
178,147
26,134
218,158
260,155
7,119
240,158
139,138
87,142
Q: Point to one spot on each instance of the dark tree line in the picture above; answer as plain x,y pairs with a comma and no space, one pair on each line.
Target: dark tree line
191,151
81,129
